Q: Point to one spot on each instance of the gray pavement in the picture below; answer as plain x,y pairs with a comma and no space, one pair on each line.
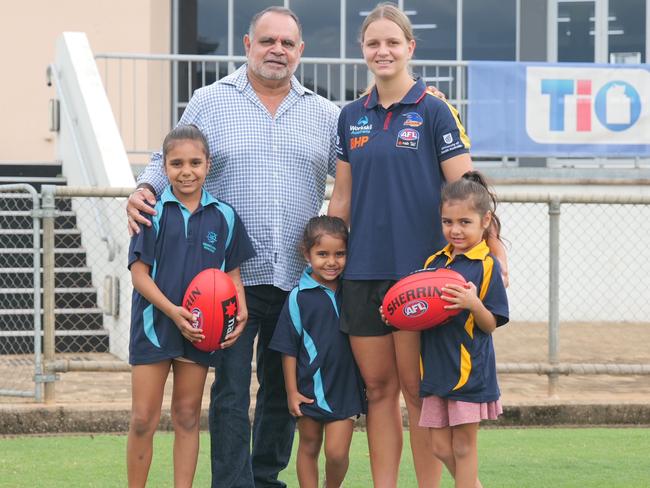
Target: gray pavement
97,402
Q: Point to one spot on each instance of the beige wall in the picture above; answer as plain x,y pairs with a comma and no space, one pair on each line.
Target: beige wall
28,32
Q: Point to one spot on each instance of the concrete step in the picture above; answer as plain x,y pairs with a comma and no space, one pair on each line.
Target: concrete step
63,277
80,319
24,258
41,169
12,201
24,238
76,330
23,219
12,298
24,344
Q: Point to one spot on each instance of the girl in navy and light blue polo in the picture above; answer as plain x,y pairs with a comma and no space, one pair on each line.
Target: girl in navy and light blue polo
190,232
459,385
324,388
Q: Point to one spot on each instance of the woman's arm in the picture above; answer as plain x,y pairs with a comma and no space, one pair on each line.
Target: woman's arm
454,168
342,194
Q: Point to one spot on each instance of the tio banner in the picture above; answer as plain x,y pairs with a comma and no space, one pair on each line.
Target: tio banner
558,110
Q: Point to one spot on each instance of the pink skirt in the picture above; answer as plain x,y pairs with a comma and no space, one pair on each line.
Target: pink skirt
439,412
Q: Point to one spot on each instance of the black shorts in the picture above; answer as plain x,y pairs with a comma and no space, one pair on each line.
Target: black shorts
360,302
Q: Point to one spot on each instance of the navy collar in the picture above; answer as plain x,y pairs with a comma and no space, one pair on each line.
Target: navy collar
414,95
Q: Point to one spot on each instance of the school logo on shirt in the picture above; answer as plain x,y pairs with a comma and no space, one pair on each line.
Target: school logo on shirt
413,119
408,138
362,127
210,240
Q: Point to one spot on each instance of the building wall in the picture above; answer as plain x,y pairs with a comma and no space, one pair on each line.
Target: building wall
28,32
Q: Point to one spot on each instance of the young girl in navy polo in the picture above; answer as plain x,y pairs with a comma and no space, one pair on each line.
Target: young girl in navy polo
459,386
190,232
324,388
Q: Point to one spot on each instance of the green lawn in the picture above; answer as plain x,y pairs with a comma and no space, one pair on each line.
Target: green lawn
517,458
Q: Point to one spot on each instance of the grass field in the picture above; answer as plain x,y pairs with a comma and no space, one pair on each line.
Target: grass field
517,458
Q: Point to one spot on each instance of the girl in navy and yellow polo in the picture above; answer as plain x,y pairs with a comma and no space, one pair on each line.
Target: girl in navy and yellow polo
190,232
459,385
324,388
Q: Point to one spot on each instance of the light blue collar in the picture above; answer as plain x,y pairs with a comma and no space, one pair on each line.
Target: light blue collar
308,283
206,198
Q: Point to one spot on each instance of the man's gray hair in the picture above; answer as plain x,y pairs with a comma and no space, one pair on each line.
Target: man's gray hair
275,9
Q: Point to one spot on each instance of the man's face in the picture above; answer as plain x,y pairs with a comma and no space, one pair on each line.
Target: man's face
274,50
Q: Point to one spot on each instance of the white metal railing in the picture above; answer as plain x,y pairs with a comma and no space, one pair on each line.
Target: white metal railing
148,92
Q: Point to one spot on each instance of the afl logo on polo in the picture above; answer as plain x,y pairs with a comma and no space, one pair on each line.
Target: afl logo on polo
408,138
415,309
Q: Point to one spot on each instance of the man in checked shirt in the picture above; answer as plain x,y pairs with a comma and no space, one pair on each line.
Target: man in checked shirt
272,145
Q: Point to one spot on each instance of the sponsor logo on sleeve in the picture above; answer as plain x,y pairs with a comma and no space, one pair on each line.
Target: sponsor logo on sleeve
450,144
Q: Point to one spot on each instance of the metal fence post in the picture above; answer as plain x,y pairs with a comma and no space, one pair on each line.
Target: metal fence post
47,192
38,359
554,293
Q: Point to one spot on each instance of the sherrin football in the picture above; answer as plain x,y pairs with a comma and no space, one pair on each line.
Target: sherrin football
211,296
415,303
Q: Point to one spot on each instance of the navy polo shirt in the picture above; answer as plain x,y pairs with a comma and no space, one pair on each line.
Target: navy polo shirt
458,357
177,246
308,329
395,155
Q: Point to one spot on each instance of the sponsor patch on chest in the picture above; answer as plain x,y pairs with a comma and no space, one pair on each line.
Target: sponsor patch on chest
408,138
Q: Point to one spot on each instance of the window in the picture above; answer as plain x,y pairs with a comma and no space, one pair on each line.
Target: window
244,11
321,25
575,31
434,26
627,31
489,30
356,13
211,27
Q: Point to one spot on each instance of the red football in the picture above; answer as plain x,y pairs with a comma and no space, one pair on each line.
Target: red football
212,297
415,303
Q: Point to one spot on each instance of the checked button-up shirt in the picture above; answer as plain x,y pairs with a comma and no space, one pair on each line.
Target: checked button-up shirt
272,170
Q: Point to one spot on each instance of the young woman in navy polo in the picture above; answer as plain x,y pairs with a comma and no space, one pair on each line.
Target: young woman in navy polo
191,231
324,388
397,146
459,384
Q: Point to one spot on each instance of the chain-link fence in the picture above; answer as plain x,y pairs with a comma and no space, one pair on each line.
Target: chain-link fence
20,297
573,260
